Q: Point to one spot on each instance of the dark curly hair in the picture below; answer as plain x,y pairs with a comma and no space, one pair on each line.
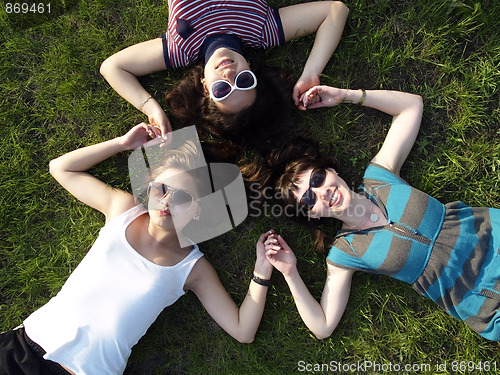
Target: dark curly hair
254,127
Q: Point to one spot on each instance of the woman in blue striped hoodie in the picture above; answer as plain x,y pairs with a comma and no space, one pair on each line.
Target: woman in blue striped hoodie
446,252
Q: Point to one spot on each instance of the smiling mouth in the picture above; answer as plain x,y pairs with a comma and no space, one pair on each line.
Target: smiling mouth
224,63
335,199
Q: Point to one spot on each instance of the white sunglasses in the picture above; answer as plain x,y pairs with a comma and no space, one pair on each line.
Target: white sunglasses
221,89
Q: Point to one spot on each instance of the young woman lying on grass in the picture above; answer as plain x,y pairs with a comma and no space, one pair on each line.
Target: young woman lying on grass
448,253
225,93
135,269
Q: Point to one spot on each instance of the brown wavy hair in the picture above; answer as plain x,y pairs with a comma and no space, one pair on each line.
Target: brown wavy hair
281,172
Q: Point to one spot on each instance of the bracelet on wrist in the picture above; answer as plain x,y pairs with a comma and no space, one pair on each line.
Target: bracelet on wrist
260,281
360,102
144,102
363,97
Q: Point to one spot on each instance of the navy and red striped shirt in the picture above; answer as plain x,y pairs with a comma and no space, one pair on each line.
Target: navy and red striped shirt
191,21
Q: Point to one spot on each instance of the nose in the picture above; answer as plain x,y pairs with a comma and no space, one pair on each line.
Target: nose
321,192
229,74
164,200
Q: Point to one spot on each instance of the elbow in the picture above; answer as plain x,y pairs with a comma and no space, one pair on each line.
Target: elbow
108,66
323,333
105,67
53,168
245,339
340,9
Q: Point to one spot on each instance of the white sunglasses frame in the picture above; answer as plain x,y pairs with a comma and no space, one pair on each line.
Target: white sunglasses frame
233,88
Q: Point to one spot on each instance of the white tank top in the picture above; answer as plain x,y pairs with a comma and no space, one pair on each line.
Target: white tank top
108,303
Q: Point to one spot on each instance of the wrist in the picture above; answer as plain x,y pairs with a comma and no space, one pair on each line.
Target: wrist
261,280
148,105
354,96
291,275
262,274
121,144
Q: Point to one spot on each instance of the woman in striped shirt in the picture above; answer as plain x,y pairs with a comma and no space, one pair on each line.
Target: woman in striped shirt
449,253
218,31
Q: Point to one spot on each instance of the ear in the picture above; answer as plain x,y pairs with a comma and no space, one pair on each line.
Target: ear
197,213
205,88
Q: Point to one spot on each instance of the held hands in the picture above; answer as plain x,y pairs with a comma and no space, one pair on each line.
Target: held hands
304,83
279,254
263,268
141,135
322,96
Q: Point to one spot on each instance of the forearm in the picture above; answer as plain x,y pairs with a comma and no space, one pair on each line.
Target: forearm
251,310
309,309
128,87
327,39
122,70
83,159
391,102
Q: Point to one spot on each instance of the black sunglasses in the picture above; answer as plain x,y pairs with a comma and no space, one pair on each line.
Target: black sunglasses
317,179
178,198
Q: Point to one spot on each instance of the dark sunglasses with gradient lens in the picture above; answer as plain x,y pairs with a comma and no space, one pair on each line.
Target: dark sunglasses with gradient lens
221,89
178,198
317,179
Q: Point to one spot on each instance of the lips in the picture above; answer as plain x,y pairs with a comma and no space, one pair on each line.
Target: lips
224,63
165,212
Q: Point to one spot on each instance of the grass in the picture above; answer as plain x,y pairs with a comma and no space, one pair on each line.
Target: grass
54,100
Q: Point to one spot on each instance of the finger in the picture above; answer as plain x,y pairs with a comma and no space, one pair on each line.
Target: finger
316,105
296,95
282,242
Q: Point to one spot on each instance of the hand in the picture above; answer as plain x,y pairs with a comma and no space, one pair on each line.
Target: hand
139,135
263,268
304,83
158,118
323,96
280,255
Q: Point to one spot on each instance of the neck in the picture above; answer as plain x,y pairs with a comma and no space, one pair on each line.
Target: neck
360,213
162,238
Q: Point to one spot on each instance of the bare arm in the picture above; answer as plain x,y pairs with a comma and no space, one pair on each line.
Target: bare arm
325,18
406,111
122,70
241,323
70,171
321,318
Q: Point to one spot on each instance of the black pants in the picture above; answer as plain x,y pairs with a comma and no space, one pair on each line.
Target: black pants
19,355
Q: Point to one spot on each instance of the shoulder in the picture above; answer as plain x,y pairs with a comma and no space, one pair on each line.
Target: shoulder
202,274
376,172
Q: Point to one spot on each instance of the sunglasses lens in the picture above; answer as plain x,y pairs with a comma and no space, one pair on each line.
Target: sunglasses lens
308,199
181,198
317,178
156,190
221,89
245,80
